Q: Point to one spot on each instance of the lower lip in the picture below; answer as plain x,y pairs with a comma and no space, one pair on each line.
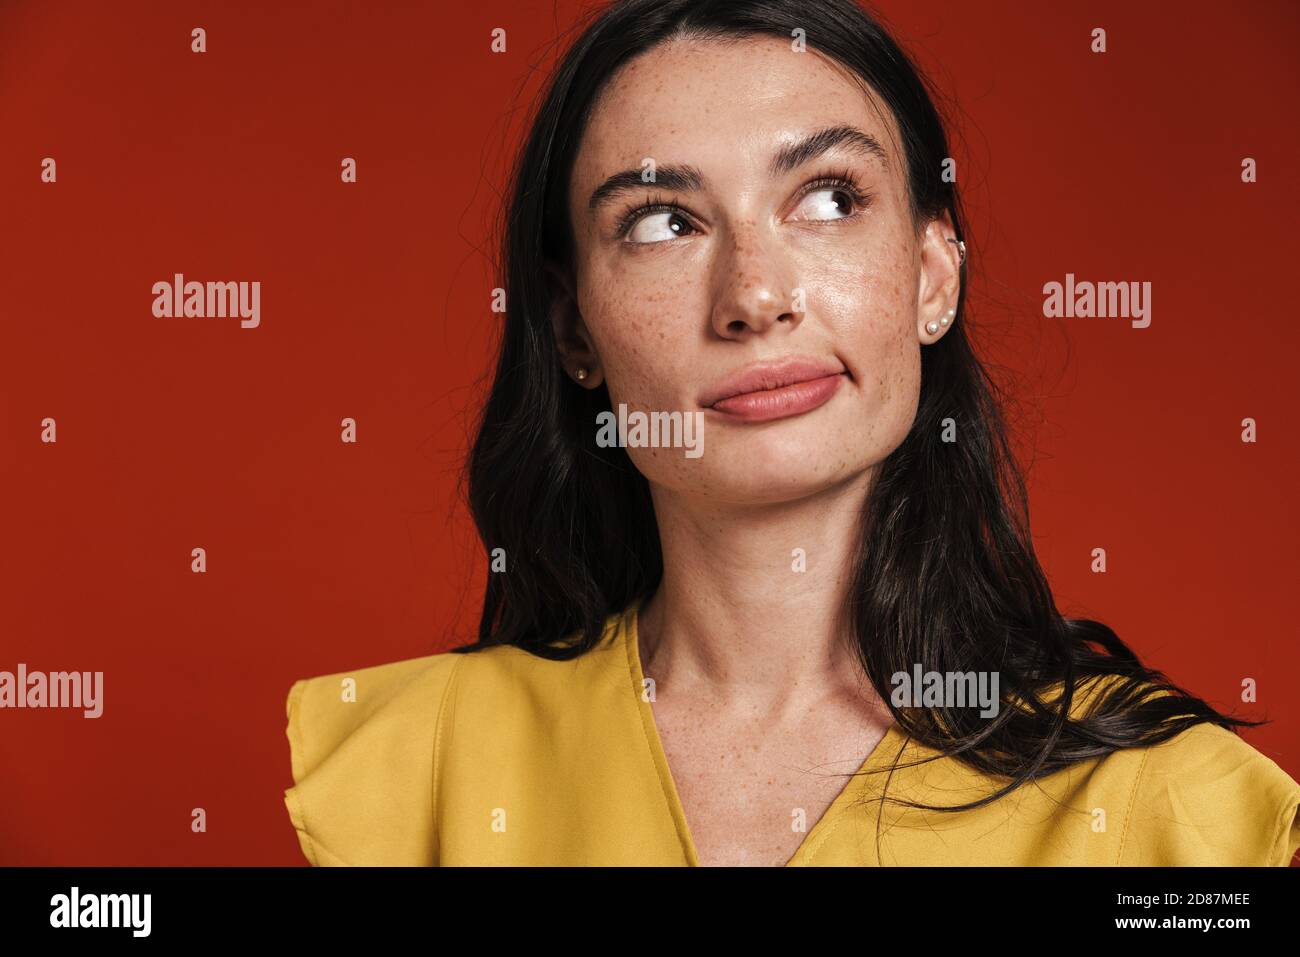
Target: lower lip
780,403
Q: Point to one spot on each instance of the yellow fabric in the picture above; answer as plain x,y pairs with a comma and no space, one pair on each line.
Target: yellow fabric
503,758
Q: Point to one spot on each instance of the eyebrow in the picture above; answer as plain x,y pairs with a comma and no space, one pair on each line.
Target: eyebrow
686,178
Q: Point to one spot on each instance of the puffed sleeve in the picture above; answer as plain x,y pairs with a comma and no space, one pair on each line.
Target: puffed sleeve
362,748
1207,798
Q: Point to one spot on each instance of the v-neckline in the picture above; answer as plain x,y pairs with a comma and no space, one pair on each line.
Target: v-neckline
811,840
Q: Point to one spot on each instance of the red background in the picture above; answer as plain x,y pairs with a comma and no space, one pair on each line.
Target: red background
375,304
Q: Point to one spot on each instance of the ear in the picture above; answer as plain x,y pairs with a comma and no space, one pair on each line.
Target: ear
571,336
940,280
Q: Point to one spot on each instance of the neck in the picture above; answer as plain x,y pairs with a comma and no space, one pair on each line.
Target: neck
735,616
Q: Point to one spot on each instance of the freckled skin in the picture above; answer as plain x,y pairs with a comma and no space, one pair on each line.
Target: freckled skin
668,319
659,322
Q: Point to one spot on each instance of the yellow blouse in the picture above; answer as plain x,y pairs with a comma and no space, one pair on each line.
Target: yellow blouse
503,758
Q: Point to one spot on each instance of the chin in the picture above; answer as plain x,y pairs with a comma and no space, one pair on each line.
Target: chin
783,446
765,482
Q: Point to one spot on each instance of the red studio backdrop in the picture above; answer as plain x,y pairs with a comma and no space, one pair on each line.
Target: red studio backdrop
322,556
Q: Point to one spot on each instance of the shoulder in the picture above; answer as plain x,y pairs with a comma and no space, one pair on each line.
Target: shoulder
361,755
1207,797
367,746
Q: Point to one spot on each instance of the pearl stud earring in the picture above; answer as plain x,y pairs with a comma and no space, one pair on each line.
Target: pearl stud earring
580,374
948,317
932,327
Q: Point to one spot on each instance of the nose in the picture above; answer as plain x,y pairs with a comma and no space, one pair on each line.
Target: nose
755,289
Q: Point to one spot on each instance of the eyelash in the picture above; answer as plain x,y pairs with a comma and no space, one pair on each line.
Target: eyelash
842,180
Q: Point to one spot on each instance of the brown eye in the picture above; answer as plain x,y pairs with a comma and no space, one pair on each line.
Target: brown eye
830,203
658,227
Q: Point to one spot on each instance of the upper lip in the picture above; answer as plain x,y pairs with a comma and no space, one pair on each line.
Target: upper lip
770,374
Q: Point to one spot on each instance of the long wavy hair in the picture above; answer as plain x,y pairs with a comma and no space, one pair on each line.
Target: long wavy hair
945,575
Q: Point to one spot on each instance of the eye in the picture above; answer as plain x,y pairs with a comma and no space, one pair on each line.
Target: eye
832,198
656,224
828,204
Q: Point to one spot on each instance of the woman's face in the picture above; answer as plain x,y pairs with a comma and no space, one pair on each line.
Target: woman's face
754,263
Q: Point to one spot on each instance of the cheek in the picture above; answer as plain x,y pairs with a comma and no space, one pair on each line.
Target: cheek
873,313
901,384
640,330
890,382
895,345
873,316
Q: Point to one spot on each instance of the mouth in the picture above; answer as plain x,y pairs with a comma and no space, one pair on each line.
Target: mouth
766,391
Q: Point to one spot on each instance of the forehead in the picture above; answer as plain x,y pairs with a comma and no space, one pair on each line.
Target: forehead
724,107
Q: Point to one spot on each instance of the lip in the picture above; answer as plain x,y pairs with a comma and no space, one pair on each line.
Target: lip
775,389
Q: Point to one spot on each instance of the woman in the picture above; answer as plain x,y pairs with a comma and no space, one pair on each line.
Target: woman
734,215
